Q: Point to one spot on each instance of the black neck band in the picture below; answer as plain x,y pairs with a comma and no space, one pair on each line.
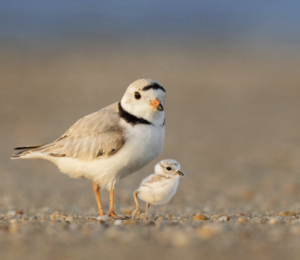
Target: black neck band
131,119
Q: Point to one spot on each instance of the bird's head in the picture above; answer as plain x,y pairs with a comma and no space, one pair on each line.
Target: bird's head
168,167
144,98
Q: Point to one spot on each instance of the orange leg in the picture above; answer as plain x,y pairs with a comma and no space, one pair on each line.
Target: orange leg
97,194
112,213
147,208
137,210
111,204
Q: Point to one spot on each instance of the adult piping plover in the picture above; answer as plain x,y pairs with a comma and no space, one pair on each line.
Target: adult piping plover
111,143
158,188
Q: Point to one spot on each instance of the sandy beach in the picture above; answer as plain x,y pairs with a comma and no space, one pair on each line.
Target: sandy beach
232,121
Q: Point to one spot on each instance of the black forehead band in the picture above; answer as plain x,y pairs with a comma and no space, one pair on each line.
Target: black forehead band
154,86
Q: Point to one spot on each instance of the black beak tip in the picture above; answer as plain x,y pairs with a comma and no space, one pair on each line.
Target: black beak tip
160,107
180,173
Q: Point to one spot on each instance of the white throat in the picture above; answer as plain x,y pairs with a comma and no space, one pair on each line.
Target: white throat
156,118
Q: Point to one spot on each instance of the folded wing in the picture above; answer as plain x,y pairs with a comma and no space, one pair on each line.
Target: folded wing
96,135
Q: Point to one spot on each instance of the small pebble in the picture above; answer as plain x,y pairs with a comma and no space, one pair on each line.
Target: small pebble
169,216
200,217
242,220
11,213
224,219
288,213
69,219
274,221
118,222
102,218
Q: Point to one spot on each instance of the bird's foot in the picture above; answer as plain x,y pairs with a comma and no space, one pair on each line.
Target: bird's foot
136,212
113,215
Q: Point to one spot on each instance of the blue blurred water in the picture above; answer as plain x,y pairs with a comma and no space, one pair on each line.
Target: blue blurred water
247,20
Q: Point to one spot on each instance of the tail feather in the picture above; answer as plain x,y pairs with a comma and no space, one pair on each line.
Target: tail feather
29,147
18,155
26,150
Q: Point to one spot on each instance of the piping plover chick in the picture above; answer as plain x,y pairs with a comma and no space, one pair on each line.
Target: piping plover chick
159,187
111,143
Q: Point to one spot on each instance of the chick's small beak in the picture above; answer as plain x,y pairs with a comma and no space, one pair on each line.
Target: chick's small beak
180,173
157,105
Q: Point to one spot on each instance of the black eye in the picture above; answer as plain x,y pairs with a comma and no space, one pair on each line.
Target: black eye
169,168
137,95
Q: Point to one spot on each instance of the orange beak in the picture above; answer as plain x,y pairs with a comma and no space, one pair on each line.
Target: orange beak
157,105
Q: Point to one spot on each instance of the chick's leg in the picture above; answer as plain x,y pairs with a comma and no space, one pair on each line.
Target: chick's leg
147,208
137,210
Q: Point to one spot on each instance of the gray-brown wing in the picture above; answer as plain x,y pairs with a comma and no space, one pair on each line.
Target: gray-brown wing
161,179
95,135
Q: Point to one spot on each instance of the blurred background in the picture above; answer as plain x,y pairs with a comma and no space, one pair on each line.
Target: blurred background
231,71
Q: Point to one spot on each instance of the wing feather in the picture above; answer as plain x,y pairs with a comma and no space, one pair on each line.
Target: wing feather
155,178
96,135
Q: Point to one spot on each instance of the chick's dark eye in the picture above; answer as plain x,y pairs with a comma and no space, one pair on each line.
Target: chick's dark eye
169,168
137,95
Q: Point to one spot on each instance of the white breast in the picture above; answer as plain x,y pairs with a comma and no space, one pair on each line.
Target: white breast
159,192
144,144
